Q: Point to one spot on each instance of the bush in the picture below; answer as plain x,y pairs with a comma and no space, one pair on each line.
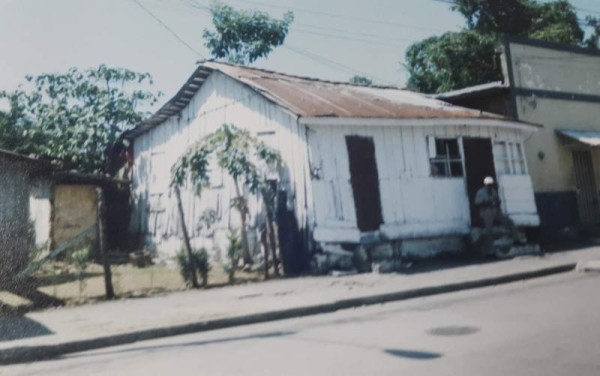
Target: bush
234,253
201,265
80,260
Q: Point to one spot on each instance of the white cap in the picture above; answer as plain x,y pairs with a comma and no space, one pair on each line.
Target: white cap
488,180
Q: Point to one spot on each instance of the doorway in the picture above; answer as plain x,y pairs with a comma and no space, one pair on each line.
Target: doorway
479,163
365,182
587,194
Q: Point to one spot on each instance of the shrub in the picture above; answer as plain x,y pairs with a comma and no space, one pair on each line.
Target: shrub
80,260
201,265
234,253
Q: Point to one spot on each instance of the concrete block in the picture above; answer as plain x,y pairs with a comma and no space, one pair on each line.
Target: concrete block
382,252
383,267
521,250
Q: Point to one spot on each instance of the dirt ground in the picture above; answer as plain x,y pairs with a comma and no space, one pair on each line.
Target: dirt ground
60,281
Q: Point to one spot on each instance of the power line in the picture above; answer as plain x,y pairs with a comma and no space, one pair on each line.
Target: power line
166,27
329,62
346,32
343,37
379,40
323,60
452,2
339,16
197,5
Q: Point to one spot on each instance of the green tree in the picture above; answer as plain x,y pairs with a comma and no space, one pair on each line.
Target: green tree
452,60
594,39
361,80
74,118
241,37
469,57
246,159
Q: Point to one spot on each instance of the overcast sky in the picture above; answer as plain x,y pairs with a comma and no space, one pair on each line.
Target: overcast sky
332,39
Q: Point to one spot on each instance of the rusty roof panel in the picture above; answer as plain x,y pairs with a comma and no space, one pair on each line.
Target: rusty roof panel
309,97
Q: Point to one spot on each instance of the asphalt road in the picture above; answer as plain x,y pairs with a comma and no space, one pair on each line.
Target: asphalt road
548,327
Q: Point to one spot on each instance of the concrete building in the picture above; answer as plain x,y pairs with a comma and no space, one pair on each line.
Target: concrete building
373,165
557,86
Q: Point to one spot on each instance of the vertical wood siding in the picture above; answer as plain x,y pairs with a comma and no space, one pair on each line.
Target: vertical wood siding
414,204
220,100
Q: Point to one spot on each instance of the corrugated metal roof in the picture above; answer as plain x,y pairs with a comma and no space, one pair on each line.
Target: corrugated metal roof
9,155
310,97
585,137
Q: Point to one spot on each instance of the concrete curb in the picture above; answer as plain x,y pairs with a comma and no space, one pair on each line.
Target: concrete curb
23,354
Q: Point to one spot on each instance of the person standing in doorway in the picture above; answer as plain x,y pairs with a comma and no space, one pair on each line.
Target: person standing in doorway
487,202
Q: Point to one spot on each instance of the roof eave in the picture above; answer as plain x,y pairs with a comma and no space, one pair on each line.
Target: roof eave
174,106
406,122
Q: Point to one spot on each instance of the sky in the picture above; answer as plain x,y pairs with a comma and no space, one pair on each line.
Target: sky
329,39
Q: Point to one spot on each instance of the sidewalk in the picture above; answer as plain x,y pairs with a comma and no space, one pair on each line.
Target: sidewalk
66,330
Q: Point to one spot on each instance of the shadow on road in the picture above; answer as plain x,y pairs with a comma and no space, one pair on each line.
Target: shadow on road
412,354
14,328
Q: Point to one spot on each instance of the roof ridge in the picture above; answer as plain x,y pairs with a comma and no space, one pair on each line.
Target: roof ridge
296,76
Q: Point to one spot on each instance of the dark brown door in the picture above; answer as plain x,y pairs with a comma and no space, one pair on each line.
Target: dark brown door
365,182
479,163
587,194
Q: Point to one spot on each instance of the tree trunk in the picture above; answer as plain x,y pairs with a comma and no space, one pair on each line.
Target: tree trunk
273,245
186,239
270,228
243,209
263,240
108,286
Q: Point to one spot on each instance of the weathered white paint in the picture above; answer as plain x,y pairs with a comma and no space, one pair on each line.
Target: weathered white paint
382,122
220,100
516,192
414,204
316,174
40,210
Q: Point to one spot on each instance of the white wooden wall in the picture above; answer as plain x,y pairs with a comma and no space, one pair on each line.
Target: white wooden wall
414,204
40,210
220,100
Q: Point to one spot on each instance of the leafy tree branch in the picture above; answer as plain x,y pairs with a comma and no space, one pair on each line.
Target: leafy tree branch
241,37
74,118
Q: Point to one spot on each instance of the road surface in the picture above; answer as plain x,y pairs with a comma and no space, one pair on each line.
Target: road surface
548,326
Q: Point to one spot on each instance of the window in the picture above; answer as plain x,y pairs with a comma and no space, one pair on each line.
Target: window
444,157
508,157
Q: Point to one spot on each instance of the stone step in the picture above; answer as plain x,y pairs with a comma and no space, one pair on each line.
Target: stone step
520,250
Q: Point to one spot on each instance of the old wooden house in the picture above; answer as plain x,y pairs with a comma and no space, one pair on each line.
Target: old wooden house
362,165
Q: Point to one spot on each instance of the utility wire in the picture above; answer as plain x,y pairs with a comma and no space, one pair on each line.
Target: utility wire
361,37
331,63
339,16
346,32
166,27
343,37
452,2
198,5
323,60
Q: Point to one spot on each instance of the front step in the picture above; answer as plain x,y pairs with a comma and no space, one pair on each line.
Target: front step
520,250
502,244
